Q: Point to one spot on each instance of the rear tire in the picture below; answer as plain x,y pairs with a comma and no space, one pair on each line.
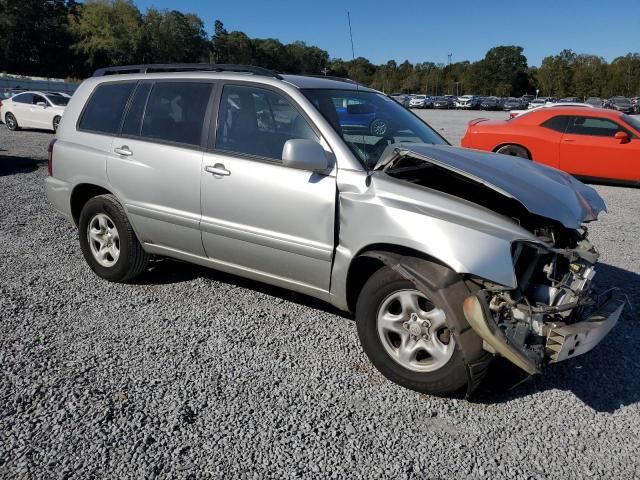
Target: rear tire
405,358
514,151
11,122
56,123
108,242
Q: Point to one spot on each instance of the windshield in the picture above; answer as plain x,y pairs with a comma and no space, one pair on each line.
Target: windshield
370,121
633,121
58,100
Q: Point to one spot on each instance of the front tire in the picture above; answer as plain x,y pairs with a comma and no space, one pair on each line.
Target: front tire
514,151
56,123
108,242
405,333
11,122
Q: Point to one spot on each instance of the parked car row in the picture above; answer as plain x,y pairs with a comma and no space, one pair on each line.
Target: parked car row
477,102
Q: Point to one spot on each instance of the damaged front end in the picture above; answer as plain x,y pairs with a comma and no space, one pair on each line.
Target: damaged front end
554,314
550,311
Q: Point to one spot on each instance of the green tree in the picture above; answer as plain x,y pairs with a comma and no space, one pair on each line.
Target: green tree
589,74
505,71
107,32
171,36
238,48
219,43
556,75
304,59
361,70
270,52
35,37
623,76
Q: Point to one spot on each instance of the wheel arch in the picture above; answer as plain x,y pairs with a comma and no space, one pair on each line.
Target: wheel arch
81,194
370,259
8,112
515,144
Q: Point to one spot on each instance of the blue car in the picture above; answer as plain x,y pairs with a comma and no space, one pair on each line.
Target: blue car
361,118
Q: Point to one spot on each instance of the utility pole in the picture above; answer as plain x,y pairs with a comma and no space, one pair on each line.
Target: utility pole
450,55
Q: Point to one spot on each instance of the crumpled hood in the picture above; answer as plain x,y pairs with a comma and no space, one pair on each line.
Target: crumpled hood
542,190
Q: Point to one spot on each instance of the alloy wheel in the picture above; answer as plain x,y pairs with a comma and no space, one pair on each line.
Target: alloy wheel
414,332
104,240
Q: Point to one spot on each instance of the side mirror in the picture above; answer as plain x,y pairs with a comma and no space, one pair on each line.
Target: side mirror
41,104
622,137
304,155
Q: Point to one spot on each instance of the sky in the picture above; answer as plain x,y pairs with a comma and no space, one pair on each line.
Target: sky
429,30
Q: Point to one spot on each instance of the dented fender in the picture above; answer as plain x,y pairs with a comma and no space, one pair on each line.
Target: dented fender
466,237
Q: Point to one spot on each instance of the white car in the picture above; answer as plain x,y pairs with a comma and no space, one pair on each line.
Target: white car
419,101
33,110
468,102
538,102
515,113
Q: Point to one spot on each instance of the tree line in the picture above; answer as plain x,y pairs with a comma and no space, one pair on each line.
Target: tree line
69,39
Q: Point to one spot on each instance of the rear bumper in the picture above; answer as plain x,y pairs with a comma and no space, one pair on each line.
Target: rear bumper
59,196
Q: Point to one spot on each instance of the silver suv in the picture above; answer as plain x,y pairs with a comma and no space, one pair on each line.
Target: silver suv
447,256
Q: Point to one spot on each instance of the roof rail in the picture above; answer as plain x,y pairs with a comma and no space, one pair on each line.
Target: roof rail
185,67
337,79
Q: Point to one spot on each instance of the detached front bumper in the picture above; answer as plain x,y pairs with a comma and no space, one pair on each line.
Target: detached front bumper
563,341
569,341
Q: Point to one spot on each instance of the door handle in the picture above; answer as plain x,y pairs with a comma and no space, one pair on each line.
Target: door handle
123,150
218,169
568,139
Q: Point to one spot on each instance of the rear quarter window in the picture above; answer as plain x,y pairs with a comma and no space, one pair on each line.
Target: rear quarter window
557,123
105,107
23,98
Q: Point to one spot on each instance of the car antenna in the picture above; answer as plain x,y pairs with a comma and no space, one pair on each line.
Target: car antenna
353,54
353,57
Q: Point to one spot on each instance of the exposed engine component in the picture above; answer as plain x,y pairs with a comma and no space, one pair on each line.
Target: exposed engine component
553,314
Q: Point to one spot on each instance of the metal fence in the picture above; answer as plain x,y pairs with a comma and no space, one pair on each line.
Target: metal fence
39,84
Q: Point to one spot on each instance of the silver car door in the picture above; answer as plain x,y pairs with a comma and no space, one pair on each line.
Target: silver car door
155,164
257,215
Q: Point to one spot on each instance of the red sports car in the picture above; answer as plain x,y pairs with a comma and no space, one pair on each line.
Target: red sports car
593,143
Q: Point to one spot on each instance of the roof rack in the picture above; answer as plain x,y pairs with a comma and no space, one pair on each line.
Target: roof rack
185,67
337,79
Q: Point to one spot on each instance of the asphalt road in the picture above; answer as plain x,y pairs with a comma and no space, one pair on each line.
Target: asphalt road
190,373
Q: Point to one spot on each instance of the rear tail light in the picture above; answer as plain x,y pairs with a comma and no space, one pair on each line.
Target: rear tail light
50,157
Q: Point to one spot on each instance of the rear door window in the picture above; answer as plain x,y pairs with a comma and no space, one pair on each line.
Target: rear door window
133,120
105,107
175,112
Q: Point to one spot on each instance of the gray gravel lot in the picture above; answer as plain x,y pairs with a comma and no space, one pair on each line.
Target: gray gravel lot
190,373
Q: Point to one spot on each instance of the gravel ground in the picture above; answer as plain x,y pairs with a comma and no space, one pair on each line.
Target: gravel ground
190,373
